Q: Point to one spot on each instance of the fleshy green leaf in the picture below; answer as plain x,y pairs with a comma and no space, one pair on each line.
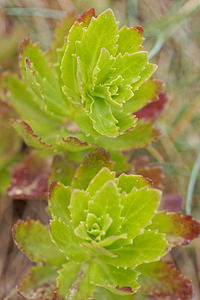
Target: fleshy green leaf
78,206
99,180
161,279
101,33
148,92
92,164
114,279
39,283
33,238
59,199
130,39
139,208
103,119
143,134
179,229
107,201
147,247
128,182
67,242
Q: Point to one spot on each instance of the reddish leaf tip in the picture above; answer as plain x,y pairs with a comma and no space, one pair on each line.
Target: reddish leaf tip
86,16
139,28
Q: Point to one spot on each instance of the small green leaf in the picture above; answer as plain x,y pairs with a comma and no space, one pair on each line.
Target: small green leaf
78,206
33,238
130,39
147,93
103,120
67,242
92,164
59,199
107,201
99,180
128,182
179,229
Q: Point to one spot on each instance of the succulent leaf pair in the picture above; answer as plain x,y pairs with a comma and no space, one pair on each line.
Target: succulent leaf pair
88,94
108,236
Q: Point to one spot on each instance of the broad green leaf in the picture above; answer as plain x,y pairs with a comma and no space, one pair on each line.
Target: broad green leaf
147,247
33,238
74,281
139,207
130,66
30,138
103,120
79,206
120,160
145,75
107,201
114,279
92,164
40,283
125,121
59,200
101,33
128,182
161,278
130,39
66,241
179,229
103,67
148,92
99,180
143,134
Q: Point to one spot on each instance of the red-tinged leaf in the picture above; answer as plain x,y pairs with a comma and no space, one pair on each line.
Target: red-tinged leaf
171,202
39,283
155,174
162,280
72,144
87,16
92,164
30,178
152,110
30,138
179,229
140,162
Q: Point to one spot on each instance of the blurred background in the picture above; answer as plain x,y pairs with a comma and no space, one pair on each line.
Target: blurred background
172,32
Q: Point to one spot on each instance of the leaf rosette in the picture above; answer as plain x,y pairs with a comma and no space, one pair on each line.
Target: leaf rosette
109,238
86,88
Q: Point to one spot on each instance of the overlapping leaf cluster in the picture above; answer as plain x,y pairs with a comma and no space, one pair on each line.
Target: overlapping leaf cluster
86,89
108,238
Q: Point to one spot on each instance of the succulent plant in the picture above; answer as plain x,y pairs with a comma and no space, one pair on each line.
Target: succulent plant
106,239
85,90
